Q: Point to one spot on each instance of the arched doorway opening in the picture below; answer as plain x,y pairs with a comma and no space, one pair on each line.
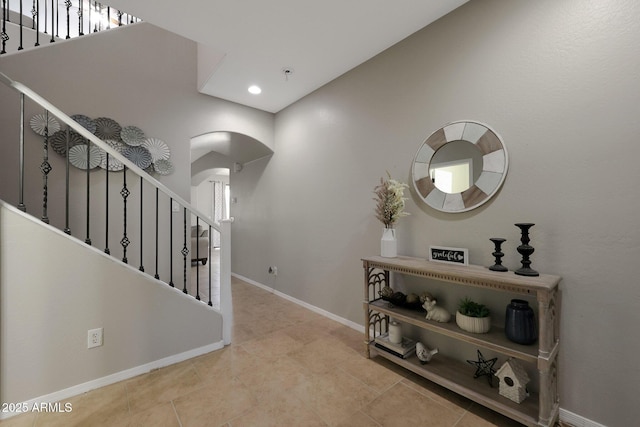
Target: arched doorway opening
215,156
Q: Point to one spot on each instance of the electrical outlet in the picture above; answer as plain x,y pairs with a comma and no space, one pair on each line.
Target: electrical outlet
94,338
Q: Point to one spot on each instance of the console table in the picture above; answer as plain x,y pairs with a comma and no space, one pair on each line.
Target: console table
539,409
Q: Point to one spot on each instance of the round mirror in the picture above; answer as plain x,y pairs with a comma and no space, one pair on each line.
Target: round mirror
459,167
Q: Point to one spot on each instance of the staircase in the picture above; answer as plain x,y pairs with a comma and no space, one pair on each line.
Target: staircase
52,21
129,234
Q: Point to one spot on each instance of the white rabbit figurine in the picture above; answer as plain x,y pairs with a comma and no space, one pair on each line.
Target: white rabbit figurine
438,314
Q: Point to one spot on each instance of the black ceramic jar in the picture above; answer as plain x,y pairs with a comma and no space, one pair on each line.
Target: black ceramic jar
520,324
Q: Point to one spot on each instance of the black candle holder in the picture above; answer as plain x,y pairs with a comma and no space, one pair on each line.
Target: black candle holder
525,250
498,254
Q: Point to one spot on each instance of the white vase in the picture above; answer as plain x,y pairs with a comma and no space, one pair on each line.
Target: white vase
388,243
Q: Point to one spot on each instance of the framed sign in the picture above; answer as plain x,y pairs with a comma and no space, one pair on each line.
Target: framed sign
458,256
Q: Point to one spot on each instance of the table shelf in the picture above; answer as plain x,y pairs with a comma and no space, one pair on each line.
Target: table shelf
494,340
458,377
538,409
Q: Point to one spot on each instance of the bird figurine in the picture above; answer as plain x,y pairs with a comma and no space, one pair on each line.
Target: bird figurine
423,353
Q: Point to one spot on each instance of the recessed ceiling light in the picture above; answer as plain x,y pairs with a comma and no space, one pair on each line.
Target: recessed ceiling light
255,89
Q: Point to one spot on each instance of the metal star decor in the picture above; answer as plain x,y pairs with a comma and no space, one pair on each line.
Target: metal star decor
484,367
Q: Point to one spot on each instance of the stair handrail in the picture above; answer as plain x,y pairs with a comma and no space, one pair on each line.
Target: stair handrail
224,228
25,90
57,15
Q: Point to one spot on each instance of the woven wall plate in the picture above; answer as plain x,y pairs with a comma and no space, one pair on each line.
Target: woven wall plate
58,141
114,165
107,128
157,148
86,122
132,135
139,156
163,167
39,122
78,156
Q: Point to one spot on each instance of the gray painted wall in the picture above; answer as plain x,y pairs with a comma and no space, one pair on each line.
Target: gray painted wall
139,75
47,305
559,81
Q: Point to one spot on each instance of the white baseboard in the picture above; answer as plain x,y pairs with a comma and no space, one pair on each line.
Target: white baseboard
325,313
577,420
565,416
114,378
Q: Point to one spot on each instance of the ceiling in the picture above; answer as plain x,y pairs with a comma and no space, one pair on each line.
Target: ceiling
251,42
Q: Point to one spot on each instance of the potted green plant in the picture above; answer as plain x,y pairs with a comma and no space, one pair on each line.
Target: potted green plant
473,317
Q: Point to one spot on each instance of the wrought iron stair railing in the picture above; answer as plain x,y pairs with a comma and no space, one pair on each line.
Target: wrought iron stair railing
53,20
166,247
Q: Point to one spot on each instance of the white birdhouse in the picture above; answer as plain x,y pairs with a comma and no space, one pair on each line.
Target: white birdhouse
513,381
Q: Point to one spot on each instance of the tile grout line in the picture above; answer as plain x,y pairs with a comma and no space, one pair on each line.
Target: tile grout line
371,418
126,392
465,412
175,411
341,366
420,388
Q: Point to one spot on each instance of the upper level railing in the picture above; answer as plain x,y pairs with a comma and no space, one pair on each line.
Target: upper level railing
27,23
118,202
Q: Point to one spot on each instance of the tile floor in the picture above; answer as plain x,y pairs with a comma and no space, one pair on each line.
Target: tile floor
287,367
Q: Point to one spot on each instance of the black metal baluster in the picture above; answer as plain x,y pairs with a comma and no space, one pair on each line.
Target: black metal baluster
171,242
88,240
106,222
67,3
81,19
53,23
157,276
21,28
108,18
185,251
4,35
120,18
33,16
125,240
89,20
95,8
197,257
141,268
45,168
66,195
209,256
57,20
45,17
21,205
35,12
